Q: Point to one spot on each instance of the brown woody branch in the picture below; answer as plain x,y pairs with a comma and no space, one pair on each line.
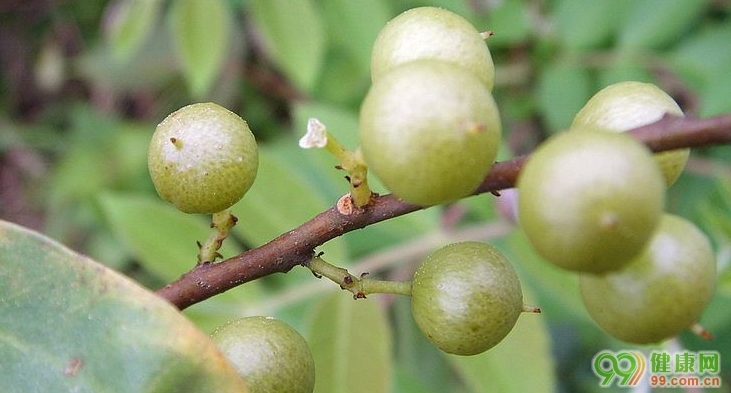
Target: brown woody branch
297,246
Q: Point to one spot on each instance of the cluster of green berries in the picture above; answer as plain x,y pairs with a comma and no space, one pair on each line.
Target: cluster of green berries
429,127
591,199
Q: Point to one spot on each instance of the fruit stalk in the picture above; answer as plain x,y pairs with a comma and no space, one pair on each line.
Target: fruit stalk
359,286
350,161
221,223
295,247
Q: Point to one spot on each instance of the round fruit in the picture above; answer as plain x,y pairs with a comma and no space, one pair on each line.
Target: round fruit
590,200
661,292
430,131
269,355
432,33
626,105
466,297
202,158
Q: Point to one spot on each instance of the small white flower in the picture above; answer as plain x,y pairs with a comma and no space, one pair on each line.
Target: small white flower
316,135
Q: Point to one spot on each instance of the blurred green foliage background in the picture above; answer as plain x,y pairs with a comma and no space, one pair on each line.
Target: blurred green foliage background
83,84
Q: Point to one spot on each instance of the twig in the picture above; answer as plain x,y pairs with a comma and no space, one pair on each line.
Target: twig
297,246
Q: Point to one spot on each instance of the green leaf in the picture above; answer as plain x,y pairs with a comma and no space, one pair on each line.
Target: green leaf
419,363
582,26
68,324
162,237
656,23
351,344
557,290
293,34
522,362
129,24
350,30
201,31
624,69
337,68
562,91
510,20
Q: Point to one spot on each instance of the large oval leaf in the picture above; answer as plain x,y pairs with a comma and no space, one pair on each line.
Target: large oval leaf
346,24
655,23
351,344
128,25
294,36
201,32
69,324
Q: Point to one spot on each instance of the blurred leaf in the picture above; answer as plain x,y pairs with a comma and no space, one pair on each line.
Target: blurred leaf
162,237
509,20
714,98
343,79
225,307
656,23
622,69
522,362
128,24
582,26
350,30
556,290
698,54
293,34
714,216
85,326
562,91
419,363
351,344
201,33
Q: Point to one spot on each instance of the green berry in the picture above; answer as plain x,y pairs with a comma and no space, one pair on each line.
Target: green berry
466,297
626,105
659,293
202,158
432,33
590,200
430,131
269,355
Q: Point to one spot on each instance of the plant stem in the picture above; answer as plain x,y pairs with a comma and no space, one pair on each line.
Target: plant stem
350,161
296,247
221,222
359,286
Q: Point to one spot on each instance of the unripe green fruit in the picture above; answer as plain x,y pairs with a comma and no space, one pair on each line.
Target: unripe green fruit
590,200
627,105
466,297
269,355
202,158
661,292
432,33
430,131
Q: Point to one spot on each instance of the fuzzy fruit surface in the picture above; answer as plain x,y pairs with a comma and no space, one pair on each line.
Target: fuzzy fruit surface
466,297
269,355
202,158
625,105
661,292
432,33
590,200
429,131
